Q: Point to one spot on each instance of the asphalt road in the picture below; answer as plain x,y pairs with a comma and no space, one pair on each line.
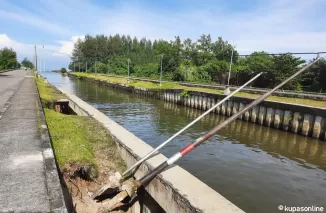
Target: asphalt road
22,170
9,82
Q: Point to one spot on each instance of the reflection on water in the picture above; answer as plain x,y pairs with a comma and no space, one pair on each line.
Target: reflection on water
255,167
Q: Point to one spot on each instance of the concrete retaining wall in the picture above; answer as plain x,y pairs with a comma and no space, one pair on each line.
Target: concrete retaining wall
175,190
252,90
299,119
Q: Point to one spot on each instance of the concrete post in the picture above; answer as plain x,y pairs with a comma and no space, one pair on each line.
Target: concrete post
196,101
235,107
200,102
209,103
189,101
240,108
269,116
247,116
295,122
229,108
223,108
317,127
185,101
213,103
261,116
192,101
286,120
254,113
278,118
306,125
218,109
204,103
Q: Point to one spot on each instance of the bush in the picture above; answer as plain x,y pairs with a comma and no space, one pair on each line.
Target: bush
63,70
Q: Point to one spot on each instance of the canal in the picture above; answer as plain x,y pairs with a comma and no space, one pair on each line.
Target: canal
255,167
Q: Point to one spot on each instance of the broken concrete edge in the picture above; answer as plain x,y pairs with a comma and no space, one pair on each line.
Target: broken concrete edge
169,189
53,184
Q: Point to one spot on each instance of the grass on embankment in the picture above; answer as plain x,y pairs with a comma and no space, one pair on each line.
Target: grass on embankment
79,142
172,85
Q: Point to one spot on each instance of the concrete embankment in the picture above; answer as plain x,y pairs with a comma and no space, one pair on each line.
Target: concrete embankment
298,119
174,190
280,93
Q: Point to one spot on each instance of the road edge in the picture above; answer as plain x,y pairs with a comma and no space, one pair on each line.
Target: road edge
52,179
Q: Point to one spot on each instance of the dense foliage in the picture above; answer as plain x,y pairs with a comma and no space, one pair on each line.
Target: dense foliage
27,63
8,59
203,60
63,70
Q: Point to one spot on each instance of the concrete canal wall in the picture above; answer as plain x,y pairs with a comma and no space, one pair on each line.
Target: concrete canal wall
174,190
298,119
252,90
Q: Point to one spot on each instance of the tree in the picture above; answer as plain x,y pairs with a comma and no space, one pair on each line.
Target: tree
283,67
314,79
27,63
203,60
8,59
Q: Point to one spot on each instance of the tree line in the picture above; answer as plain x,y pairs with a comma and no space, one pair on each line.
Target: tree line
8,60
203,60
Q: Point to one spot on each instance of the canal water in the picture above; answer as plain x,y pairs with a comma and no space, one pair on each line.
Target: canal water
255,167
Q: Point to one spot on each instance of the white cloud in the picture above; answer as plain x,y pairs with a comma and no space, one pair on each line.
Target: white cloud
273,26
20,48
48,54
68,46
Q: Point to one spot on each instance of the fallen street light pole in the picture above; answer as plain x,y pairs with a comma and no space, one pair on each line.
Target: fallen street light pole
148,177
190,124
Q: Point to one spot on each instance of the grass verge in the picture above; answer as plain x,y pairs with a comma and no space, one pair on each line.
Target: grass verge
80,143
172,85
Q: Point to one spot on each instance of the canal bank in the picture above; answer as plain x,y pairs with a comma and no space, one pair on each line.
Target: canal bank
166,193
247,163
174,190
298,119
84,159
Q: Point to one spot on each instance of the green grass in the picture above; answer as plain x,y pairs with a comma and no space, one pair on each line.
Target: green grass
71,139
48,93
78,141
172,85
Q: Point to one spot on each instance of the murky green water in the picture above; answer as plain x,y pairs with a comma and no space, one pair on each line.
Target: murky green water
255,167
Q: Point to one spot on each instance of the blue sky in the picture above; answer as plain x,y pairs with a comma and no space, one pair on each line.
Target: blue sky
252,25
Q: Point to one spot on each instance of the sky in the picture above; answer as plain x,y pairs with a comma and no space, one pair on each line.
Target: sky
274,26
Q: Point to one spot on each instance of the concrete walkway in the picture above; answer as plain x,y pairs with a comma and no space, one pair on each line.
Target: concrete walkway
22,165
